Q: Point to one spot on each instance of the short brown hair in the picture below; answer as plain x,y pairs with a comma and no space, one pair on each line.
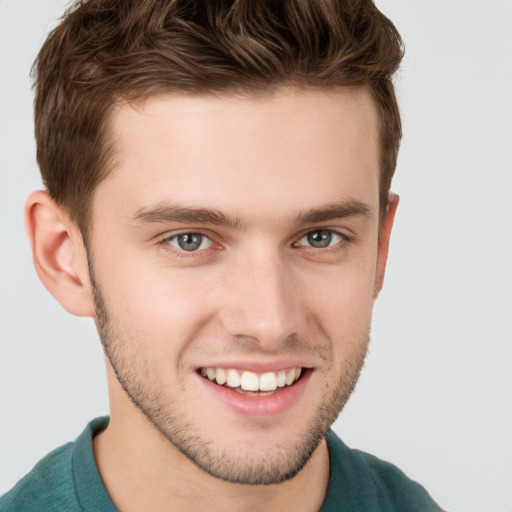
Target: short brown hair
106,50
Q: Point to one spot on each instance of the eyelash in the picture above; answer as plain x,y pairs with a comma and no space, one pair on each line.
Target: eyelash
182,253
343,238
165,242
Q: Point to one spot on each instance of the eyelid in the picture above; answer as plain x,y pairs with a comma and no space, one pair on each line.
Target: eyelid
186,231
345,237
212,237
162,241
204,240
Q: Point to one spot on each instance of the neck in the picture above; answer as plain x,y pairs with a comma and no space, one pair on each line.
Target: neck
143,471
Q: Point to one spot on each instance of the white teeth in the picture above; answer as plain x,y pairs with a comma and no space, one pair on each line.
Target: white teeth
220,376
290,376
250,381
233,379
269,382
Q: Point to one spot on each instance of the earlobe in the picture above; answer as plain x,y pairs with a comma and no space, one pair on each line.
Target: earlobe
384,238
58,253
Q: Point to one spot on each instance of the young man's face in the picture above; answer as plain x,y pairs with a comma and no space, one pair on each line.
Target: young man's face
237,238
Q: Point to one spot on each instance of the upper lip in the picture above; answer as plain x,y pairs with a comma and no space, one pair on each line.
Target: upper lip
258,366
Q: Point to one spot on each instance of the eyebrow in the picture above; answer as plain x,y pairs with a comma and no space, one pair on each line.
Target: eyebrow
178,213
172,212
332,211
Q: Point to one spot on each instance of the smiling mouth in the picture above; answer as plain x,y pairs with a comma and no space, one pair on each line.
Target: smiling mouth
250,383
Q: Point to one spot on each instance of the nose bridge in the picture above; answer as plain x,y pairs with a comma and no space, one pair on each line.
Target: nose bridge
261,303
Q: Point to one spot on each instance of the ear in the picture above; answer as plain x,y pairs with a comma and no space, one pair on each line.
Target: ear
384,237
59,254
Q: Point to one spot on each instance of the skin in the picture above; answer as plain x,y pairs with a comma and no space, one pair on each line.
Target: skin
274,168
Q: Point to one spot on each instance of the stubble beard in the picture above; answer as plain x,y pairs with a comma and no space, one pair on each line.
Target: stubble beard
263,468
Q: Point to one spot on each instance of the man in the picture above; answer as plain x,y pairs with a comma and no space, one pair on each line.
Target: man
217,199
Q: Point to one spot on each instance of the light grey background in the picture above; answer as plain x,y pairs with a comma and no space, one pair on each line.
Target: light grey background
435,396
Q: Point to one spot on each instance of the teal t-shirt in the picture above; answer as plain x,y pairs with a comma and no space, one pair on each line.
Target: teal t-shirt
67,480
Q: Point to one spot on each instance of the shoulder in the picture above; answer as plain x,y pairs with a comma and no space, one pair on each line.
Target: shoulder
359,479
49,486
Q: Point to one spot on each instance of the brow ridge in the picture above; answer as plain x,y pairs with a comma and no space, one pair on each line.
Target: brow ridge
341,210
164,213
183,214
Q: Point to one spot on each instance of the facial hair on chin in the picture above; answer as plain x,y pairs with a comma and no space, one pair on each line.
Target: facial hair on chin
267,467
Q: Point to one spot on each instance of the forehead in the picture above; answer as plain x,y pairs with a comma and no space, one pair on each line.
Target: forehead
237,152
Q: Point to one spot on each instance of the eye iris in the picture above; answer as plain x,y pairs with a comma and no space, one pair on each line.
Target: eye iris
190,241
320,239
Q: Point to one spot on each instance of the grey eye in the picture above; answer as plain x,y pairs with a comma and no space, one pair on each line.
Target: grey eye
190,241
321,238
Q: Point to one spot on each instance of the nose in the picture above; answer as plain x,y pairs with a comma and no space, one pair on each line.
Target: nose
260,301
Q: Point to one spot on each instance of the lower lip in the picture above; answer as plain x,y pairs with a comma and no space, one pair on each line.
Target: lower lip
258,406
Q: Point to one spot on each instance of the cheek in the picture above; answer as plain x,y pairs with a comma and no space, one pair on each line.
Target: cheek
162,310
340,304
344,307
153,307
